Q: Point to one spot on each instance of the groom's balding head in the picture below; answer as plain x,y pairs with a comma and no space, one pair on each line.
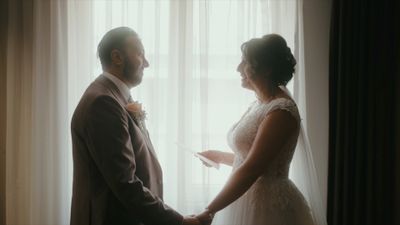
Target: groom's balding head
114,39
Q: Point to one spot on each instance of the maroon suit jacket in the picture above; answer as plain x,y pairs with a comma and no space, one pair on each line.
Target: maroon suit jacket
117,178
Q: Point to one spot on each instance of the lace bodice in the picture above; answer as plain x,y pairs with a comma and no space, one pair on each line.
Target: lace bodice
243,133
273,199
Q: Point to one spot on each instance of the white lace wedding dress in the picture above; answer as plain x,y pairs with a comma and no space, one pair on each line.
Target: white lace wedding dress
273,199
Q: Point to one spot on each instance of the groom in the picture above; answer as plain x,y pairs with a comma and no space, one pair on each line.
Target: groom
117,177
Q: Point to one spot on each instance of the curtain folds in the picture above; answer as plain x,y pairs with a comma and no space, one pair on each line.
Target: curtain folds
3,109
38,177
364,55
19,123
191,91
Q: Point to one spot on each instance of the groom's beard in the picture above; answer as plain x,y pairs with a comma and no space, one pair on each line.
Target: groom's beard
131,74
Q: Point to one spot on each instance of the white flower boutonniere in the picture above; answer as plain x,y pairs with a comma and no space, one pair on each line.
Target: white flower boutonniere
136,112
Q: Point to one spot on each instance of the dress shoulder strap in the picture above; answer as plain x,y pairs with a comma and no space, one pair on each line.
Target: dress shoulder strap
284,104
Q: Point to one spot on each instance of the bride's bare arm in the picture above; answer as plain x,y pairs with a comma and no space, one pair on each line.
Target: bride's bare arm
272,134
227,158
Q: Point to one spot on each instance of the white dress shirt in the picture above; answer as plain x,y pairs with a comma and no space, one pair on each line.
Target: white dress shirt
123,88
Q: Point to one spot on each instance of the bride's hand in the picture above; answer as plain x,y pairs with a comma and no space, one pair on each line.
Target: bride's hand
213,155
206,217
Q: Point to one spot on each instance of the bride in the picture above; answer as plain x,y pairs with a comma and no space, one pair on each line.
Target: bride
259,191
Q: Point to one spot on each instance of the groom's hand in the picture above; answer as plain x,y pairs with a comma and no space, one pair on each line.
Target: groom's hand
191,220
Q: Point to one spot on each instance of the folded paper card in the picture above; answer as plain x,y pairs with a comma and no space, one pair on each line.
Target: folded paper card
202,158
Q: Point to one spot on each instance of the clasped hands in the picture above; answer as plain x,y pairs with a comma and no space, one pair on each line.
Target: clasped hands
204,218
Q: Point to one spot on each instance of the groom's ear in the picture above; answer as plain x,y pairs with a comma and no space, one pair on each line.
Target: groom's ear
116,57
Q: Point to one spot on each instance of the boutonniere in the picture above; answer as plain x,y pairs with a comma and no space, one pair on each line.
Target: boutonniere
136,111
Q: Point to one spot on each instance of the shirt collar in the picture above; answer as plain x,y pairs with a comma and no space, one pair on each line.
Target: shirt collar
123,88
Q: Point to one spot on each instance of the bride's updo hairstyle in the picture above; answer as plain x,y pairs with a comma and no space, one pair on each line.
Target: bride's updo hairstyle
270,53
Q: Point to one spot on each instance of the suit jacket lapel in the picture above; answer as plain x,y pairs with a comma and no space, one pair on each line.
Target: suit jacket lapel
117,94
121,99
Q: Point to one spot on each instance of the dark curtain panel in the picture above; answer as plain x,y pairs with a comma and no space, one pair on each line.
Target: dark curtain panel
363,148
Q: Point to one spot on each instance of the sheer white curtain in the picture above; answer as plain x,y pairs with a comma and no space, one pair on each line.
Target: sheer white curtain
191,91
38,179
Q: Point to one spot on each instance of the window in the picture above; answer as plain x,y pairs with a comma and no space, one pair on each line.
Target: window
191,91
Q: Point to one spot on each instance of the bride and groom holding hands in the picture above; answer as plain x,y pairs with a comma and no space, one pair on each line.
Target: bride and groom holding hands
117,178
